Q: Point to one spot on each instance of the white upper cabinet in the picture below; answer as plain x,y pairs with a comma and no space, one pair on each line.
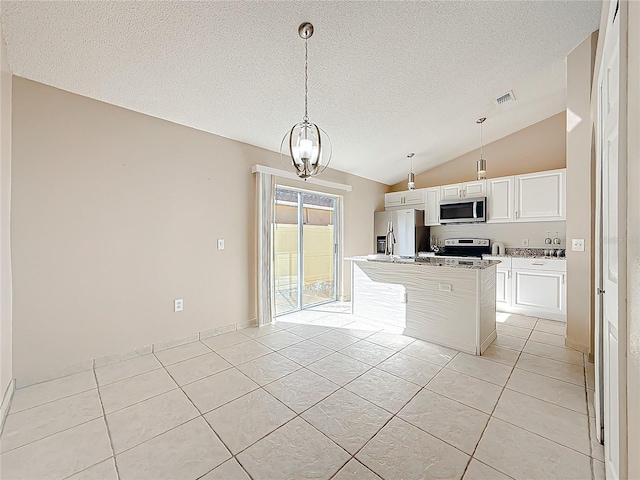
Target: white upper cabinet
540,196
451,192
406,198
432,206
501,200
393,199
477,188
414,197
462,190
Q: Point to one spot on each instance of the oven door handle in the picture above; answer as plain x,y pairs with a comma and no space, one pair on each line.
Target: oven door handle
475,209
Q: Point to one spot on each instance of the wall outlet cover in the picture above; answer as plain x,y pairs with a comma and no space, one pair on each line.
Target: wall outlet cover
178,305
444,287
525,242
577,244
221,244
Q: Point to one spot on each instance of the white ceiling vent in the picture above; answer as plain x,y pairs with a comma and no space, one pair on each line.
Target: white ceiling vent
505,98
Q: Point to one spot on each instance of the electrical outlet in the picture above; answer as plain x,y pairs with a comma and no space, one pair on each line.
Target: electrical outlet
444,287
178,305
525,242
577,244
221,244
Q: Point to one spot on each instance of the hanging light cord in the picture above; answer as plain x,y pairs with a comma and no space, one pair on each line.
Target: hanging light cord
306,79
481,140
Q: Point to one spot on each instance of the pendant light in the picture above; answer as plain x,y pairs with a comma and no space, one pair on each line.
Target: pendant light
308,144
412,178
481,167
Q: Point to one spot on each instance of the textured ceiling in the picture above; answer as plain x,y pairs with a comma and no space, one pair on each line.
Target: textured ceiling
385,78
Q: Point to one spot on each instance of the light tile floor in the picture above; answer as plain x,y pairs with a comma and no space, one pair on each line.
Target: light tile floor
318,395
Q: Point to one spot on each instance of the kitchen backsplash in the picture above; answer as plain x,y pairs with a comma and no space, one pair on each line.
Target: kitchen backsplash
511,234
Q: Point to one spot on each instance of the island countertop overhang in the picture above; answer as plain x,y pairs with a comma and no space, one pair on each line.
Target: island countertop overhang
475,264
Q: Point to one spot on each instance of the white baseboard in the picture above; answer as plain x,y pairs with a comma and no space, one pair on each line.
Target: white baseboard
123,356
6,402
488,341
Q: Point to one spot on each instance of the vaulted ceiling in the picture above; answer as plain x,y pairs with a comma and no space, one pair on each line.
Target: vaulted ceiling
385,78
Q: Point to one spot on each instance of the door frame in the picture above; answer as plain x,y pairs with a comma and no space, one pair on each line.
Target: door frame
337,244
618,11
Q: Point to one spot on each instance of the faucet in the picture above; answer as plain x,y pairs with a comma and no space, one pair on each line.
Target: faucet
390,239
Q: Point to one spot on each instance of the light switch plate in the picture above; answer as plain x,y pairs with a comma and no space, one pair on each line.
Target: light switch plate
221,244
525,242
444,287
577,244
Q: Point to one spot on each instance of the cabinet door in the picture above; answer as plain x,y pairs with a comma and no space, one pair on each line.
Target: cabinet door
432,207
503,288
414,197
474,189
540,196
451,192
539,291
393,199
500,197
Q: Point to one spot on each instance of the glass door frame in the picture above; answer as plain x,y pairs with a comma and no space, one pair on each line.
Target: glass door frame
337,230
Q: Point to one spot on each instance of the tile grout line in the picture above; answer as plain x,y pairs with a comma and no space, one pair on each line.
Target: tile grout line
586,395
201,415
393,415
494,409
106,424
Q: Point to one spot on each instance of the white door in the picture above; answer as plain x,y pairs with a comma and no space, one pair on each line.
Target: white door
432,206
451,192
613,270
540,196
500,197
474,189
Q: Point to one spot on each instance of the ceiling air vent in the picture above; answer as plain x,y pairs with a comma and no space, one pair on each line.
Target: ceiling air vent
505,98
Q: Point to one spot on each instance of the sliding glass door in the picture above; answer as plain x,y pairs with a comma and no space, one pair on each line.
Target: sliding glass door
306,246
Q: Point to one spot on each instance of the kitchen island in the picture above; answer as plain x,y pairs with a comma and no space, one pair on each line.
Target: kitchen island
451,302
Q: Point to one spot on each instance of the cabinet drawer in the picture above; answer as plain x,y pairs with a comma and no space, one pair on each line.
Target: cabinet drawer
558,265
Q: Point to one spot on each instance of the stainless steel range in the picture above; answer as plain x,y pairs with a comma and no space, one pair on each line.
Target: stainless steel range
465,247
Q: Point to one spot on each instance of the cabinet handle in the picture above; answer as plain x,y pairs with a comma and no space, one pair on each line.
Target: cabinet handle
563,278
509,272
516,214
537,263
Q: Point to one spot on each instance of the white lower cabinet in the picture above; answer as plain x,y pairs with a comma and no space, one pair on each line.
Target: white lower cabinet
541,293
532,286
503,287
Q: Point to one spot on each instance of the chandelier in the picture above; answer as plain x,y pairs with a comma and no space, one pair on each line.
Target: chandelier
309,145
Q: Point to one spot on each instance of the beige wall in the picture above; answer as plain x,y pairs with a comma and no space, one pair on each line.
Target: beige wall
538,147
580,195
116,214
6,369
633,245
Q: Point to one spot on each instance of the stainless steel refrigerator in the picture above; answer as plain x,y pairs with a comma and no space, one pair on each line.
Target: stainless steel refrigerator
401,232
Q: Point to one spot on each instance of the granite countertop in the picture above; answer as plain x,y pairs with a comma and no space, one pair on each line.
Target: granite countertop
428,261
518,252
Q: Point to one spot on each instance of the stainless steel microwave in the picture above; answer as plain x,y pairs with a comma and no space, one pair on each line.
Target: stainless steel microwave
468,210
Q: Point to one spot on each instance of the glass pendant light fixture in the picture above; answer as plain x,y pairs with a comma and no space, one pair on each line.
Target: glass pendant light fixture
481,166
411,183
308,145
